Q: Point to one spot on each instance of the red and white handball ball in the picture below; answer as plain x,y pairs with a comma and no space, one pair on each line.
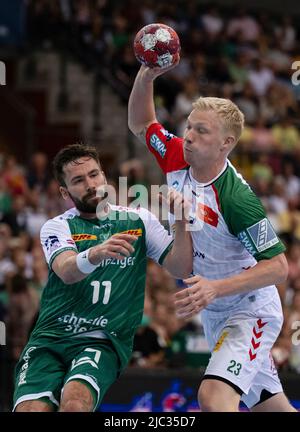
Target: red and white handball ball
157,45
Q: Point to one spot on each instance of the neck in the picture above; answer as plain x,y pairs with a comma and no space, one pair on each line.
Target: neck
101,214
206,174
87,215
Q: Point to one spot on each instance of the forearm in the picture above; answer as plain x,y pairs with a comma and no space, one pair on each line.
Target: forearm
141,110
68,268
179,261
71,267
264,273
69,271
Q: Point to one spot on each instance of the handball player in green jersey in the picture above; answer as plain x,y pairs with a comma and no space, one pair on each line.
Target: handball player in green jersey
93,300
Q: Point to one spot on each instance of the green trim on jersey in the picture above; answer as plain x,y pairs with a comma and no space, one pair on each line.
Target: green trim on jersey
245,216
59,252
165,253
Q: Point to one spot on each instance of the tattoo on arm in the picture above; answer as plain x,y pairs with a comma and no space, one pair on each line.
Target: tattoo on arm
142,135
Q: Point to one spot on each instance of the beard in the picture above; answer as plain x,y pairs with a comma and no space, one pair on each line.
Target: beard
86,204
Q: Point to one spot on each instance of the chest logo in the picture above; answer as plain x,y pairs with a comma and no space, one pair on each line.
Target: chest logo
83,237
207,214
137,232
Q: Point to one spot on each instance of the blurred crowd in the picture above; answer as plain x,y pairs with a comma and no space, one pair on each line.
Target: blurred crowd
235,53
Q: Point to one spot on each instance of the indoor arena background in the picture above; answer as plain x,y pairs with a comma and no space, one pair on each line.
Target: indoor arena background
66,70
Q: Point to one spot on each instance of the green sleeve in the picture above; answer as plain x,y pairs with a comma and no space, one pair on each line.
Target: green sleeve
246,218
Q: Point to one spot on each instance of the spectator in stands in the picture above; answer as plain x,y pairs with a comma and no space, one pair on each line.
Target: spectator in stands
23,305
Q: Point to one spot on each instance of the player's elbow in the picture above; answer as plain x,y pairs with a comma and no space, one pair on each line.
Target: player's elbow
182,271
68,278
282,268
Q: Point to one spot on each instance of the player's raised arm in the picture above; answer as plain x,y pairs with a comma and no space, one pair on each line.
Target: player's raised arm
157,47
141,110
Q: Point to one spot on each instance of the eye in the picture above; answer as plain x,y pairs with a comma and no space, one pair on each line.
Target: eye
95,174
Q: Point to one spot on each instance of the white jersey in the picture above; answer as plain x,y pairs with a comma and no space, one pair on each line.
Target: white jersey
228,224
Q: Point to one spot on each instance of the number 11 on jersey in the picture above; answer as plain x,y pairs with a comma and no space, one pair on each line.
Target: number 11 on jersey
96,291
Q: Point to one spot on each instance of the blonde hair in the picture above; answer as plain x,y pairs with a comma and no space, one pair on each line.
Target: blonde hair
230,115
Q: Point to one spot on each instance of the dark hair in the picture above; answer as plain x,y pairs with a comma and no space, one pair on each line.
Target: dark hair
72,153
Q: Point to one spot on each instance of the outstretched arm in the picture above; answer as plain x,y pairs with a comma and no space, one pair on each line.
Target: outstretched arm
141,110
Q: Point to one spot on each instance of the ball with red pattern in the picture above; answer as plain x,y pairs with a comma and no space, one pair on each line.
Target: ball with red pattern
156,45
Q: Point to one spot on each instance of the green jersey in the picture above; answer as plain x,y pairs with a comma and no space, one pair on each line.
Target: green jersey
108,303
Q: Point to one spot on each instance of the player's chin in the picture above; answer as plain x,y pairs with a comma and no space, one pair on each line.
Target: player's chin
187,154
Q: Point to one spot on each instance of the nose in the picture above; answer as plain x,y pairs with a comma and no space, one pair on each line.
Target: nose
89,184
188,136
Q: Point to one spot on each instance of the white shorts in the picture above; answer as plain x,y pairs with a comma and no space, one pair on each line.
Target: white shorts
240,345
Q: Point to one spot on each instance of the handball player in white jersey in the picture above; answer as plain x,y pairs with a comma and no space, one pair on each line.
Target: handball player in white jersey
238,258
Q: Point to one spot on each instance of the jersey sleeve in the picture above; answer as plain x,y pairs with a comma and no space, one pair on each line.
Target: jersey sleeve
56,238
158,240
166,147
247,220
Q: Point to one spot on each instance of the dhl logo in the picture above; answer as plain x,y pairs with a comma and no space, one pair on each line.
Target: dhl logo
82,237
220,341
137,232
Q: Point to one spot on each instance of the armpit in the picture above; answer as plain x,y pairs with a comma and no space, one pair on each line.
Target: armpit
142,135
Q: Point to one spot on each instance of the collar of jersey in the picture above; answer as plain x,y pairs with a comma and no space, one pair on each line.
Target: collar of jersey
211,181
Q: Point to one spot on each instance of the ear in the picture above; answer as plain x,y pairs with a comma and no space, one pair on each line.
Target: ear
64,192
228,144
104,176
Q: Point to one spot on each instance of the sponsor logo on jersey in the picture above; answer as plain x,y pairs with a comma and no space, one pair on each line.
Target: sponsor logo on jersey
125,262
158,145
175,185
52,243
197,254
167,134
220,341
24,368
82,237
243,238
263,235
137,232
207,214
75,324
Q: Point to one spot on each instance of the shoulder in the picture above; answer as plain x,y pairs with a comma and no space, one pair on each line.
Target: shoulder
60,220
138,212
233,189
